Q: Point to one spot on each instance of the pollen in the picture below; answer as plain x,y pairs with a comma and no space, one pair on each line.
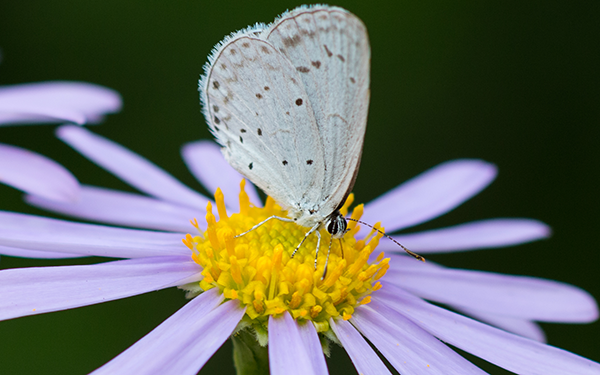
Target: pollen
258,270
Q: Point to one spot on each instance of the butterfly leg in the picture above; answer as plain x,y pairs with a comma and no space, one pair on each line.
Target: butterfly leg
264,221
318,247
305,236
326,260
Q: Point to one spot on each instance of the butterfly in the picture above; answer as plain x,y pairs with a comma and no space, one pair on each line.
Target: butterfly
288,103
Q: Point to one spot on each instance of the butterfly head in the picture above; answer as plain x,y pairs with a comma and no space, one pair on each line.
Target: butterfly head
336,224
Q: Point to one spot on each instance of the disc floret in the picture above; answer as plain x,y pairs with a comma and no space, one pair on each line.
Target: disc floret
257,268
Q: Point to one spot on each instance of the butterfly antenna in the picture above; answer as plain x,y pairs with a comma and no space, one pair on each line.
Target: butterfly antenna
414,255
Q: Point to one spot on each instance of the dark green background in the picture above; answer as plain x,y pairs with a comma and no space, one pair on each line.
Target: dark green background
515,83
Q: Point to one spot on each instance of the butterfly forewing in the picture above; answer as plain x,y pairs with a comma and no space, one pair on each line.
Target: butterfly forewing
329,47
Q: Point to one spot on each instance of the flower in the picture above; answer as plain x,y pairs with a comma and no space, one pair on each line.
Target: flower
389,310
48,102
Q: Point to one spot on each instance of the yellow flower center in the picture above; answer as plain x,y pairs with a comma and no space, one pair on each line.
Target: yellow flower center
257,268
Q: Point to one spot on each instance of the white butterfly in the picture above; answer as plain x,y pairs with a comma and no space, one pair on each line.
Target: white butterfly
288,102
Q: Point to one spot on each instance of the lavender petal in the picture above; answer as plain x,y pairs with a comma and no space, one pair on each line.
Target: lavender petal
54,102
287,352
206,162
37,290
44,234
409,348
23,253
521,327
130,167
123,208
363,357
183,343
521,297
430,194
471,236
36,174
511,352
312,345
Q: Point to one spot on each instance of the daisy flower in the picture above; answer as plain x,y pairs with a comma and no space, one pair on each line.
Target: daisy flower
48,102
251,288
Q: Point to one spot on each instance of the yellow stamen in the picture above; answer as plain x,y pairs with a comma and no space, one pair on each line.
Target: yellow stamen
356,215
188,241
220,200
212,225
244,199
347,204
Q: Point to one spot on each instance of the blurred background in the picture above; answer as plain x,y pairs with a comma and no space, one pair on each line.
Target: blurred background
514,83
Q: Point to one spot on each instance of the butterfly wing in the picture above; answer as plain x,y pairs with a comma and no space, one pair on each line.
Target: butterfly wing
289,104
329,47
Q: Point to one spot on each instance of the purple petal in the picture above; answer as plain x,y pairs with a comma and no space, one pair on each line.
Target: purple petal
312,345
521,297
183,343
521,327
430,194
37,290
130,167
410,349
207,164
122,208
363,357
470,236
23,253
36,174
287,352
509,351
76,102
44,234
